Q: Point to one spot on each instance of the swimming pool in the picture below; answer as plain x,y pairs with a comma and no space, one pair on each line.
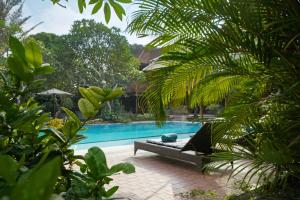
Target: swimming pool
114,133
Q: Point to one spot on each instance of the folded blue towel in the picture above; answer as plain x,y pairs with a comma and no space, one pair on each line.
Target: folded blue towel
169,137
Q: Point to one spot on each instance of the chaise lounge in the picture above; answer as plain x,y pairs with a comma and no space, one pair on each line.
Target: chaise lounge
192,150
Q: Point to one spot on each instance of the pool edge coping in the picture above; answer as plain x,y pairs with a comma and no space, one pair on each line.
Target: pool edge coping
141,122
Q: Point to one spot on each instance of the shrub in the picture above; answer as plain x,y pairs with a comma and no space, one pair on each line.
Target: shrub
144,117
41,166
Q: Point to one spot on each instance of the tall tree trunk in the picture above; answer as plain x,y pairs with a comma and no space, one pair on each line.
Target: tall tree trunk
109,107
136,100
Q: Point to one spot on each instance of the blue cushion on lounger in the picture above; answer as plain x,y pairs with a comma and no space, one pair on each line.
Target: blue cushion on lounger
169,138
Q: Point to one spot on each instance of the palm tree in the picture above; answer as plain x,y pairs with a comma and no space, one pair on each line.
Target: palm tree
247,52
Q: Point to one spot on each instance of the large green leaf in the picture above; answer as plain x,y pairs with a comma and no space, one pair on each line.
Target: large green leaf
96,162
81,5
38,183
114,93
97,90
70,129
107,94
97,6
18,68
72,115
17,48
90,96
111,191
119,10
33,53
86,108
126,168
107,12
80,187
8,168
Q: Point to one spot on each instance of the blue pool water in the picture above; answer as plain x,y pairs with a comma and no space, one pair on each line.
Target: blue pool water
129,132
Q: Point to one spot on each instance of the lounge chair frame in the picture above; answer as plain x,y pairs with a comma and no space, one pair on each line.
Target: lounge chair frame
194,151
169,152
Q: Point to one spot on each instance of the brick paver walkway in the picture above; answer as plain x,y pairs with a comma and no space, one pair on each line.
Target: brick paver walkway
159,178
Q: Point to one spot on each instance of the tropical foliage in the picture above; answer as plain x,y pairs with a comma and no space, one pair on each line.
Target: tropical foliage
57,52
244,54
36,158
107,5
103,53
90,54
11,22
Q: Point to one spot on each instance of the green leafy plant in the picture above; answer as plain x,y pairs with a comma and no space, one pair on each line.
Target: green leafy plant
243,54
23,183
107,6
90,183
36,161
94,96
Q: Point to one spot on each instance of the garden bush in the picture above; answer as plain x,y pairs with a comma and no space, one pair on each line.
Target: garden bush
35,166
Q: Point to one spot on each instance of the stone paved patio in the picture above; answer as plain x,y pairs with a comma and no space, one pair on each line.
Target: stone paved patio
159,178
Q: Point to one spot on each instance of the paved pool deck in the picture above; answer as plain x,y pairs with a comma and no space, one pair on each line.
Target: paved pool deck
159,178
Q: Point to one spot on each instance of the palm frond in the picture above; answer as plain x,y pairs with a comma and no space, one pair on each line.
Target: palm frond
244,53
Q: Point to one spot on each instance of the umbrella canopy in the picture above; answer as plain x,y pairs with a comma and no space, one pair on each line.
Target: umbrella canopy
54,91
